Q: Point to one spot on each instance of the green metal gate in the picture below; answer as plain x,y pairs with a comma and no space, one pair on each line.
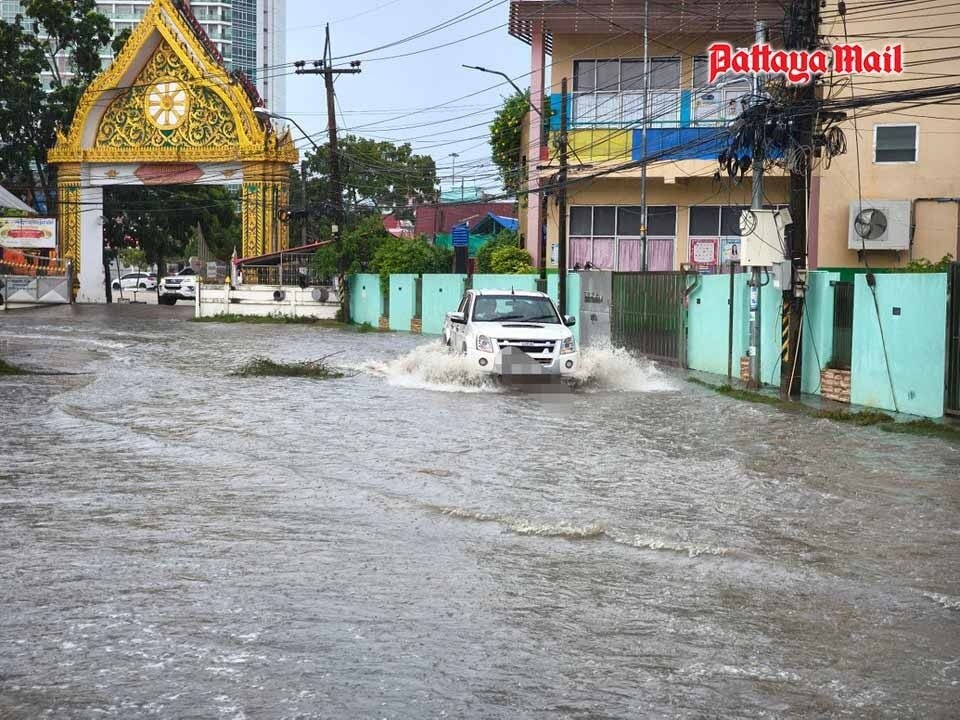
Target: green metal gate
648,314
952,405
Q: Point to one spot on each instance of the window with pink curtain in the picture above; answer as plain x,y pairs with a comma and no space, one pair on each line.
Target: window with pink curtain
630,255
579,251
660,254
603,253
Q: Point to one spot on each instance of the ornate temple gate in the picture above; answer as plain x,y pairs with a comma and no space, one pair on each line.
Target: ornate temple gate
166,112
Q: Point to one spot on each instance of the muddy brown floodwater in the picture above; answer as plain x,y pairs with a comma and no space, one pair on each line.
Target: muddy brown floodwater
409,542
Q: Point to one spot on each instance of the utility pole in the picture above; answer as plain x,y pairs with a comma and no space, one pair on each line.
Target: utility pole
325,67
562,203
802,35
303,202
643,144
756,203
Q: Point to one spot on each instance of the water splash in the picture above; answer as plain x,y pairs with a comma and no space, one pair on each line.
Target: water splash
432,367
610,368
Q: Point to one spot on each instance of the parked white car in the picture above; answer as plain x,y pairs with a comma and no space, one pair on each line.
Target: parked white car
136,280
182,286
511,333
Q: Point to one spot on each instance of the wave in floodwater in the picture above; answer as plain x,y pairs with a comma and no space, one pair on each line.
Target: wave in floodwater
573,531
434,367
947,601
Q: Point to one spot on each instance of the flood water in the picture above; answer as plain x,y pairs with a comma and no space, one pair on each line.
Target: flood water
409,542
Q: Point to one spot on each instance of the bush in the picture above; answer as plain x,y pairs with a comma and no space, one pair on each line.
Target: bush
505,238
396,255
511,261
925,266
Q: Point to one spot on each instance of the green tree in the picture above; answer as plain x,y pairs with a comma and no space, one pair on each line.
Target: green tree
505,238
358,245
399,255
377,175
163,220
29,115
511,260
506,140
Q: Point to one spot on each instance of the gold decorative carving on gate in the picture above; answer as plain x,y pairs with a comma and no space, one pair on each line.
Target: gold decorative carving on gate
166,100
179,113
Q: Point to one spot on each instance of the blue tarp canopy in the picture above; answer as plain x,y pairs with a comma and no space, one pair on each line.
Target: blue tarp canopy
491,224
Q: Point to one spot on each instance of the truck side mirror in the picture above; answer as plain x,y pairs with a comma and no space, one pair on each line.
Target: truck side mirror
457,317
569,320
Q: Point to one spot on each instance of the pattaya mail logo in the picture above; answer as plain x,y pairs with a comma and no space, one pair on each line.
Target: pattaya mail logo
799,67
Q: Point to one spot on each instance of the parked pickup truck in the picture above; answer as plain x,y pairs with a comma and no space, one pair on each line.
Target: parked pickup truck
509,333
182,286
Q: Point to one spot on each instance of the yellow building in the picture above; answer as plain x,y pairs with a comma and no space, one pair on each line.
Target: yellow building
692,216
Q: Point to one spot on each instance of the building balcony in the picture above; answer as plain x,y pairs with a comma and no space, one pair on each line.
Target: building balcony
682,124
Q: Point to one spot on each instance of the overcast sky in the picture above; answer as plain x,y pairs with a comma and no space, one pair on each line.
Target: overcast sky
388,88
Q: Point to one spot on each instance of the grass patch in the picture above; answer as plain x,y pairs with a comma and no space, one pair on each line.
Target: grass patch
749,396
862,418
926,428
314,369
8,369
285,320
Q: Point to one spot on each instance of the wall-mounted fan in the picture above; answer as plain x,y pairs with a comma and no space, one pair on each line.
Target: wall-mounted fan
870,224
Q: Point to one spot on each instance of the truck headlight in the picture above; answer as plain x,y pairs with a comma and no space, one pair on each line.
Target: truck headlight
484,344
568,346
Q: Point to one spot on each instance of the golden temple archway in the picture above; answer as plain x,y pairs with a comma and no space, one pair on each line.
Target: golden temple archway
167,112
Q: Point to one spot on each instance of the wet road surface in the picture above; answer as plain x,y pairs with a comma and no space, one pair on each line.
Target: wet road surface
408,542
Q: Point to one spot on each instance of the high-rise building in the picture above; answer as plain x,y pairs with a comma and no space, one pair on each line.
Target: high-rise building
250,35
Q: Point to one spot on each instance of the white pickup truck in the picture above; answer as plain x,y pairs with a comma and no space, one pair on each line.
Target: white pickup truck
509,333
182,286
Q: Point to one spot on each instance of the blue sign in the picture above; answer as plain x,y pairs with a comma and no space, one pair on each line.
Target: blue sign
461,235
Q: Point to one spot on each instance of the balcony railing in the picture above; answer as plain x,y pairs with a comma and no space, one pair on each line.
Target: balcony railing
667,108
625,109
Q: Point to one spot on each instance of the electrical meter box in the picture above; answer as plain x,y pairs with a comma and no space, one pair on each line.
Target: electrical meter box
762,237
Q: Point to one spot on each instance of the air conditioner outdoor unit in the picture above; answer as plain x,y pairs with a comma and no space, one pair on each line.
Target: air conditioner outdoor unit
879,225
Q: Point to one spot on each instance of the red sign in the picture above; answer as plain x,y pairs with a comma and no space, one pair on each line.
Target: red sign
799,67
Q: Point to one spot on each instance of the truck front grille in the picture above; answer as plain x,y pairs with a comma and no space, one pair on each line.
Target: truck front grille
539,350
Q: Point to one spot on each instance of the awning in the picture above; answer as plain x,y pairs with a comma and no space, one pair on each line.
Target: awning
274,258
11,201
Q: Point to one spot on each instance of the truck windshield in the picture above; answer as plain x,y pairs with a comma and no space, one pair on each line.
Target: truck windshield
515,308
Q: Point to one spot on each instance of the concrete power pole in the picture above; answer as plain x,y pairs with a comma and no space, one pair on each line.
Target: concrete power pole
325,67
562,203
756,203
802,35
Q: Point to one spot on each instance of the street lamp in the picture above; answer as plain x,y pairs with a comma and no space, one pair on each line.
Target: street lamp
262,112
507,78
453,171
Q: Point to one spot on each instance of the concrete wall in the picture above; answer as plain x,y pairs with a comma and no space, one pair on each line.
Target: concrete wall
574,296
365,300
817,328
914,339
708,320
403,301
441,294
214,299
708,323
